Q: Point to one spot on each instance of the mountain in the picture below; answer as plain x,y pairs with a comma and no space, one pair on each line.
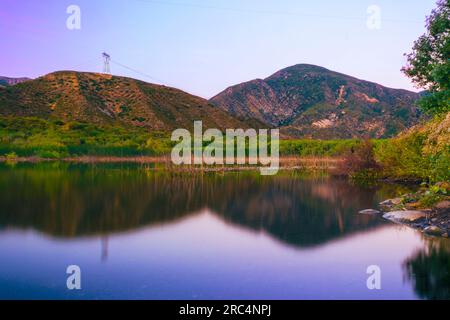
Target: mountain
106,99
314,102
5,81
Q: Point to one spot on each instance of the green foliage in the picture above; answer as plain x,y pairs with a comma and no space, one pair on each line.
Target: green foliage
11,156
440,188
435,193
305,147
436,103
55,139
405,158
429,63
402,157
11,159
158,146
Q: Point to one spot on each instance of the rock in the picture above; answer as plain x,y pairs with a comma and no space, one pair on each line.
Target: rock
387,202
404,216
391,202
443,205
412,205
369,211
433,231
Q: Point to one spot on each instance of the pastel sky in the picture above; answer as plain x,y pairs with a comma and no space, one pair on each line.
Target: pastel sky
203,47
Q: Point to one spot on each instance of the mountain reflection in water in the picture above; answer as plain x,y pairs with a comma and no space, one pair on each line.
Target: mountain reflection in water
166,235
73,201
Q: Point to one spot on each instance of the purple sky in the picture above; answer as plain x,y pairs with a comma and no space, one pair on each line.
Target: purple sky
205,46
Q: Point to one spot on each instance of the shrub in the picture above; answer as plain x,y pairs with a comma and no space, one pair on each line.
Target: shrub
11,156
304,147
422,153
359,162
157,146
402,157
49,154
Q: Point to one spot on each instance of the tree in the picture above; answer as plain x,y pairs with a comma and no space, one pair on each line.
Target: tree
429,62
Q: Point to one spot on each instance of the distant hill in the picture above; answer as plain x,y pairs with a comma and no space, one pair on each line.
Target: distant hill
303,101
105,99
5,81
310,101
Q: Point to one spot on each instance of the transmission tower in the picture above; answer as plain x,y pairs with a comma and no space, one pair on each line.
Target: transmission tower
106,60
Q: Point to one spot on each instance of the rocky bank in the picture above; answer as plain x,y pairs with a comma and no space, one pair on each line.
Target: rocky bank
426,210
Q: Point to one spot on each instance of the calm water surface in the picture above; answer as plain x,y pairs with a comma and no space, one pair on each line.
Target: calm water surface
140,234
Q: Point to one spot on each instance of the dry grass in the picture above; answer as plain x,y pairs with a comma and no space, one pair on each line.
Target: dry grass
286,163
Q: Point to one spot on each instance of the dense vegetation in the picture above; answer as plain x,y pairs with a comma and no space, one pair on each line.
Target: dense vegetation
57,139
27,136
320,148
429,64
421,153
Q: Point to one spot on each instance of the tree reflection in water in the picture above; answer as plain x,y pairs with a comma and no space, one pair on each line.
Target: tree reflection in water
90,200
429,269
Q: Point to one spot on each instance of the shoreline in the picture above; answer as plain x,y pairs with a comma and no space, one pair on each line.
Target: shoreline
407,210
286,163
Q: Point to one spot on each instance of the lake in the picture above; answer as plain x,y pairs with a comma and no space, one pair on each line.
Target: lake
140,233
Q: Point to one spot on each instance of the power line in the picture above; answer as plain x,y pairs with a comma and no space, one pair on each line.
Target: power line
271,12
140,73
